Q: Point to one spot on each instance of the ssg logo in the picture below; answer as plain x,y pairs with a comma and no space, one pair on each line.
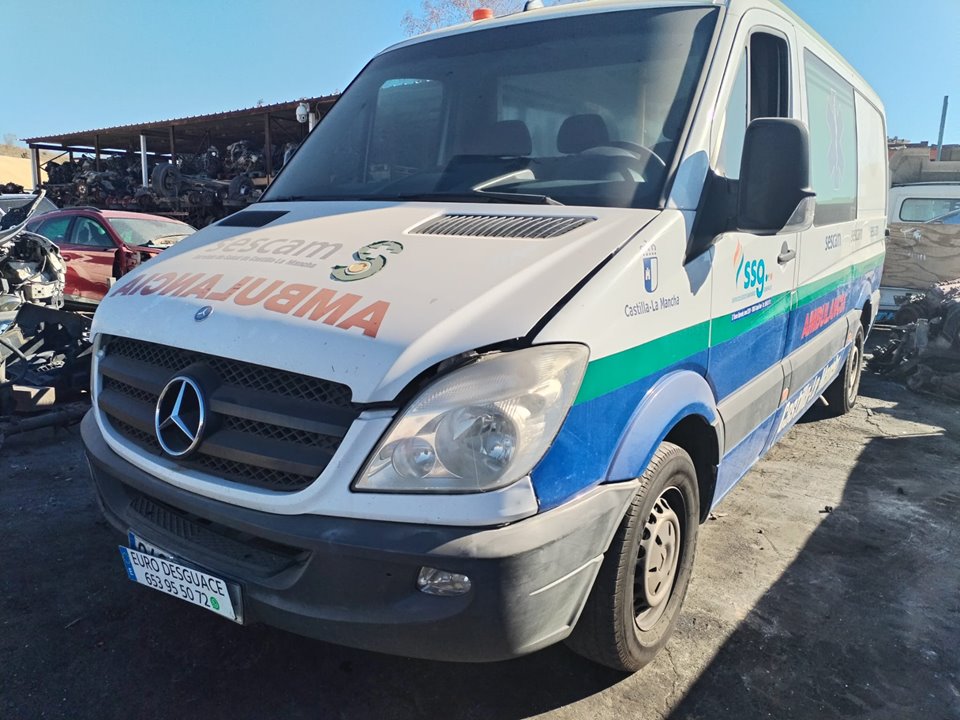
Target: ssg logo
751,273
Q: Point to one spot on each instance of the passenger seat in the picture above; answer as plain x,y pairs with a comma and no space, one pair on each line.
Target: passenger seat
506,138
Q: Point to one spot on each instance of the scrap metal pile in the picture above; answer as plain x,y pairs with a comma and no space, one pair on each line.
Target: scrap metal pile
204,187
924,348
44,350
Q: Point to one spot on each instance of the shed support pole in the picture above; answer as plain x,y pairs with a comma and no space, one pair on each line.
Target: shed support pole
267,150
96,148
35,167
143,160
173,146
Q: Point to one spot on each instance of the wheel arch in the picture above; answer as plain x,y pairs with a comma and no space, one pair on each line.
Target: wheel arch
867,315
680,409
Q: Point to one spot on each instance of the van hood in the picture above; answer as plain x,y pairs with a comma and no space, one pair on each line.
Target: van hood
365,294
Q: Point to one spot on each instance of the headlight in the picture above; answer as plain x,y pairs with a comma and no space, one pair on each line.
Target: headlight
481,427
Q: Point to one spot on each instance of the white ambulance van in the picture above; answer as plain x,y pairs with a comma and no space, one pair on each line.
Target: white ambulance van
520,311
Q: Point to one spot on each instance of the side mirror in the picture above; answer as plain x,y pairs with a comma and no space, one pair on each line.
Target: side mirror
775,193
124,260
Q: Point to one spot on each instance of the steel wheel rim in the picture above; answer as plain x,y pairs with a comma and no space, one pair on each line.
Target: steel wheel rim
854,371
658,559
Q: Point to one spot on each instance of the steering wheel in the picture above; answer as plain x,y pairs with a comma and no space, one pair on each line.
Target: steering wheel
639,157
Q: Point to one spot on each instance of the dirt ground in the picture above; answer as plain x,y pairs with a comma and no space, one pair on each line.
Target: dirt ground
827,586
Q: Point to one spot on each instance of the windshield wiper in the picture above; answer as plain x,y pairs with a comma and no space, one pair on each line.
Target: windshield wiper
483,196
289,198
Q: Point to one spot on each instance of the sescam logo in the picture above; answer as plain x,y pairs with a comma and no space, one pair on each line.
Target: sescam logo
309,302
751,273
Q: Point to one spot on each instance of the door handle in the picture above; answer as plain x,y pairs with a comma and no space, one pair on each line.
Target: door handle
786,255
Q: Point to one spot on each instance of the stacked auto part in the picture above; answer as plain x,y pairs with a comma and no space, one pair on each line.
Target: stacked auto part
200,188
924,348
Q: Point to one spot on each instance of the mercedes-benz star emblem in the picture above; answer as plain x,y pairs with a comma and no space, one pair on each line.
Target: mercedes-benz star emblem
203,313
180,417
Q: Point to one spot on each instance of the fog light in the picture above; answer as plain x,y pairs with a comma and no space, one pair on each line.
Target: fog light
440,582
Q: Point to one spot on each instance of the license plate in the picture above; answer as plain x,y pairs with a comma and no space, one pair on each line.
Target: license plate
159,572
138,543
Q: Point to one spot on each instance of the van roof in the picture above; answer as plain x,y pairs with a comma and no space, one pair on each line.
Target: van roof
593,6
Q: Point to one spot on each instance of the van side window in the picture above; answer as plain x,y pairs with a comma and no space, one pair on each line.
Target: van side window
769,77
761,89
833,142
872,155
735,125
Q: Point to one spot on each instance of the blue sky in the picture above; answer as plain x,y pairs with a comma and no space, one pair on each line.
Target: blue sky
86,64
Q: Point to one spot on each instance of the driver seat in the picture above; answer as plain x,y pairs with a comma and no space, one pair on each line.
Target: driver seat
582,132
588,132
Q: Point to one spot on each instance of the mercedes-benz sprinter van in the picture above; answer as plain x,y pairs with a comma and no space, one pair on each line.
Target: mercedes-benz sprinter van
520,311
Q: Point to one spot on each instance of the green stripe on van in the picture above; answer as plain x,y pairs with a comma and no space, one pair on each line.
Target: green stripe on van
615,371
812,291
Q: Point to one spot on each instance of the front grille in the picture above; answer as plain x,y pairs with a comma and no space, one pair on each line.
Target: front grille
262,556
268,428
501,226
234,372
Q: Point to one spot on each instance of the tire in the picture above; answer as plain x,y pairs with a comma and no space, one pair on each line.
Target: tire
843,392
166,180
624,624
241,187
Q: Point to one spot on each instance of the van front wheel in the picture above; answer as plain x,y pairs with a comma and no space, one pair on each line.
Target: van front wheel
636,598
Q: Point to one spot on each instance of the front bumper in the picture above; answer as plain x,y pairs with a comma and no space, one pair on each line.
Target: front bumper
353,582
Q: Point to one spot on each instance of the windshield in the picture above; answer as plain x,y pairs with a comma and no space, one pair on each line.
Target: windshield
8,204
149,231
584,110
950,219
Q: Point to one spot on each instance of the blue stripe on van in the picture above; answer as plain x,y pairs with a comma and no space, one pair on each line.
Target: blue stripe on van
583,452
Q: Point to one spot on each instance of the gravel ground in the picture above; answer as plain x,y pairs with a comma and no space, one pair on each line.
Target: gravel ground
826,586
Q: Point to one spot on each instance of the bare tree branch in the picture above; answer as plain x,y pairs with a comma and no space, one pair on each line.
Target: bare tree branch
442,13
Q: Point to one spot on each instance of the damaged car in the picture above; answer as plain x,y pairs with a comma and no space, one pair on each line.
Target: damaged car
101,246
32,269
44,350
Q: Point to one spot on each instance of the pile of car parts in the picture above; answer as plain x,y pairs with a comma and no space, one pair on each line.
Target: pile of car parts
201,188
924,347
44,350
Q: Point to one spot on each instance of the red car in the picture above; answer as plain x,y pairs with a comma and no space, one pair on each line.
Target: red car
100,246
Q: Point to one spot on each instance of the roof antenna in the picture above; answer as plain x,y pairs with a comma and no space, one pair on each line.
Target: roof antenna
532,5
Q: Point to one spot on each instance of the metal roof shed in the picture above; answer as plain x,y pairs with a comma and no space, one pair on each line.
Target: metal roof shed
264,124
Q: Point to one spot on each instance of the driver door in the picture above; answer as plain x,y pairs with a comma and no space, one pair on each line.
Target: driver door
90,252
755,276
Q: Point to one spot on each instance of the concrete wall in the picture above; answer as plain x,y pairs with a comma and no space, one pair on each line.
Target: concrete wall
913,164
